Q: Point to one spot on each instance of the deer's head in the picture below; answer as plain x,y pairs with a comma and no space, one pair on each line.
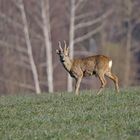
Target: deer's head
63,52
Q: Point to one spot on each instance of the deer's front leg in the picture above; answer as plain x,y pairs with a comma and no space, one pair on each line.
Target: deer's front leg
78,81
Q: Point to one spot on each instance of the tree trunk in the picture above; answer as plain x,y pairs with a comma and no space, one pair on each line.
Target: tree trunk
71,41
29,48
46,29
128,44
128,57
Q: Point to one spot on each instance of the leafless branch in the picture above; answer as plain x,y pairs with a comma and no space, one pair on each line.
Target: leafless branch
86,36
40,25
18,25
22,64
82,16
94,21
78,3
9,20
19,49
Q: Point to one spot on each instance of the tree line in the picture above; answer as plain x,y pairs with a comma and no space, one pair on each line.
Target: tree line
30,31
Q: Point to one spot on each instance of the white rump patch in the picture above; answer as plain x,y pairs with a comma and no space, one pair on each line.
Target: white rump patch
110,63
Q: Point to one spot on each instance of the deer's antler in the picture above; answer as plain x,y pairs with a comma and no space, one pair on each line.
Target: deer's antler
65,45
59,43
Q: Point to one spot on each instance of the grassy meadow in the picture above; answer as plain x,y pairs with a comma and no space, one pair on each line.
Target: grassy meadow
65,116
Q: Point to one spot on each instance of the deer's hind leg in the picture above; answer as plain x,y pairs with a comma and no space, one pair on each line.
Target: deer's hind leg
103,82
114,78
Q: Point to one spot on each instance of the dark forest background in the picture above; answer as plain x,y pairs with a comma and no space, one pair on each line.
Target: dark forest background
30,31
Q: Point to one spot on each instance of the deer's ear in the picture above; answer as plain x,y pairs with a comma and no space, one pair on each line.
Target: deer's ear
57,51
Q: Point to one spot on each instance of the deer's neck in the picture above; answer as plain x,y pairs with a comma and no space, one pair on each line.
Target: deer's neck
67,64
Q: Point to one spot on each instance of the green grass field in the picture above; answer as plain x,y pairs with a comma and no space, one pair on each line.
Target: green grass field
64,116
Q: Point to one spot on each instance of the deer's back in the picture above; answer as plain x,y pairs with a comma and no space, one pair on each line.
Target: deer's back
90,65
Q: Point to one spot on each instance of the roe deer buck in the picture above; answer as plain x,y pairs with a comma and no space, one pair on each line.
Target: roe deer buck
98,65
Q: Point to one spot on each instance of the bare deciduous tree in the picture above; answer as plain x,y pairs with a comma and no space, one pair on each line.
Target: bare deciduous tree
128,57
47,35
29,48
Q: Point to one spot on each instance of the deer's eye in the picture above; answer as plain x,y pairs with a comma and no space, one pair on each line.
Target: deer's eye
62,55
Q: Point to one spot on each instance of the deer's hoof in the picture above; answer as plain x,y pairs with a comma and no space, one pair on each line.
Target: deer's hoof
77,93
